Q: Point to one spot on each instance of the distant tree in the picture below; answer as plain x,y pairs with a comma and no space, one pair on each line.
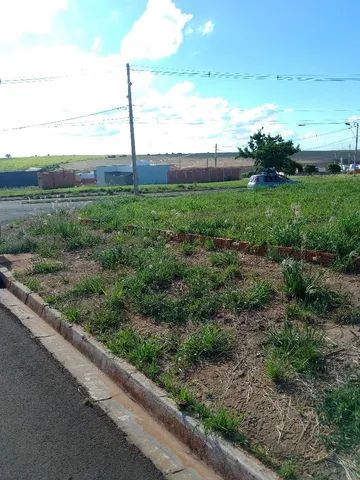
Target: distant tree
8,155
334,168
270,152
310,169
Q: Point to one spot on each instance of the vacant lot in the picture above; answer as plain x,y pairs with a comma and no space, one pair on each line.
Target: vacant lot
264,353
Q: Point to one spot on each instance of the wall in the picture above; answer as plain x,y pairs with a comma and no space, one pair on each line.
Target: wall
147,174
18,179
202,175
100,172
58,179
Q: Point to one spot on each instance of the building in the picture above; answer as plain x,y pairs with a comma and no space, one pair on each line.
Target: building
148,174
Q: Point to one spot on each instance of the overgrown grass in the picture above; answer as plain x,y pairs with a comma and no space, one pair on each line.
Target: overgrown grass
293,350
340,409
47,266
209,342
307,288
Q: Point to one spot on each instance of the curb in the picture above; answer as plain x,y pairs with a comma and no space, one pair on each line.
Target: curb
230,462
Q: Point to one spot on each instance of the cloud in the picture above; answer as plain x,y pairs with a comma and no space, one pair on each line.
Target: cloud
157,34
207,28
96,45
23,16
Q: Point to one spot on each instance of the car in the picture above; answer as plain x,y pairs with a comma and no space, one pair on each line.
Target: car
270,179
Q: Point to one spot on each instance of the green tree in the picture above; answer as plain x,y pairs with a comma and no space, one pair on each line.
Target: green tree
310,169
334,168
270,152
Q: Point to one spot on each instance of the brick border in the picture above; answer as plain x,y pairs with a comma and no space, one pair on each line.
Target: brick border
325,259
230,462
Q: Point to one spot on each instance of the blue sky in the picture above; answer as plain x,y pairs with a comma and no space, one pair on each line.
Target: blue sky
89,41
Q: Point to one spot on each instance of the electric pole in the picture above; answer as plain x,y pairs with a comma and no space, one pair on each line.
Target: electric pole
215,156
132,134
356,146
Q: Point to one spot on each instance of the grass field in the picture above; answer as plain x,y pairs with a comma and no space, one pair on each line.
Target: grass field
319,213
23,163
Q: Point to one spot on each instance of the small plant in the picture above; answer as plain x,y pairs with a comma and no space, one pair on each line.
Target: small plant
226,424
142,352
308,289
224,259
34,284
350,316
298,312
298,349
210,342
47,266
209,245
288,470
256,296
188,248
89,286
73,314
340,410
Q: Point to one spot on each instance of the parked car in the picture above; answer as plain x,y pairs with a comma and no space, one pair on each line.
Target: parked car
269,179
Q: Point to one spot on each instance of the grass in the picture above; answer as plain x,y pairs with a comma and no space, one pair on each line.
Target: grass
293,350
288,470
257,216
340,409
89,286
47,266
21,163
142,352
73,314
224,259
256,296
34,284
209,342
307,288
351,316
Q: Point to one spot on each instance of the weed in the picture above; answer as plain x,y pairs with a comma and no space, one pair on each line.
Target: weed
34,284
298,349
104,322
340,410
226,424
256,296
224,259
188,248
142,352
350,316
308,288
89,286
47,266
298,312
209,245
210,342
17,245
288,470
73,314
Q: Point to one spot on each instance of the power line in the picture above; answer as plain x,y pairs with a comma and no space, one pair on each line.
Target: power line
323,134
69,119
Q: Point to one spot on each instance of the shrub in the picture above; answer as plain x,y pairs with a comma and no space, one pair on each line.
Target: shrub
210,342
298,349
340,409
334,168
310,169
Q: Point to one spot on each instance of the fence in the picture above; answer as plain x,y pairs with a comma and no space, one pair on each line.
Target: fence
202,175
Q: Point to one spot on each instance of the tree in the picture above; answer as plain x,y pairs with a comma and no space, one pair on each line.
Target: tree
8,155
270,152
334,168
310,169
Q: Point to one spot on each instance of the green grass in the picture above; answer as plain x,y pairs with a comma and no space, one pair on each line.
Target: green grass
209,342
307,288
224,259
293,350
34,284
255,216
255,296
89,286
21,163
47,266
288,470
73,314
340,410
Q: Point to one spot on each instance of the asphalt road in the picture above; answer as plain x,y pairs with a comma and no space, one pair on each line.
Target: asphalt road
46,430
16,210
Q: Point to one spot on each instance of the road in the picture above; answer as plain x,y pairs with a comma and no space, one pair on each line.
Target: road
46,430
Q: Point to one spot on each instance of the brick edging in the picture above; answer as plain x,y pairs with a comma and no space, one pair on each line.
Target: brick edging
230,462
312,256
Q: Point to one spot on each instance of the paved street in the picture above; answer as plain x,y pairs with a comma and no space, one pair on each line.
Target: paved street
46,430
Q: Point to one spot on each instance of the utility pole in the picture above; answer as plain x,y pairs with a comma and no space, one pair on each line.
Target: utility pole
132,134
215,156
356,146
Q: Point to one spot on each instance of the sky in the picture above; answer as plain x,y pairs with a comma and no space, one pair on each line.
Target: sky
64,59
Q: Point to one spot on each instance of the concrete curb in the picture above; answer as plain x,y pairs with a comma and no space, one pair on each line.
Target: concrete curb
230,462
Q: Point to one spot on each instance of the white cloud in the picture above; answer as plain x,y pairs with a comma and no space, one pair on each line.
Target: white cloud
207,27
96,45
25,16
157,34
